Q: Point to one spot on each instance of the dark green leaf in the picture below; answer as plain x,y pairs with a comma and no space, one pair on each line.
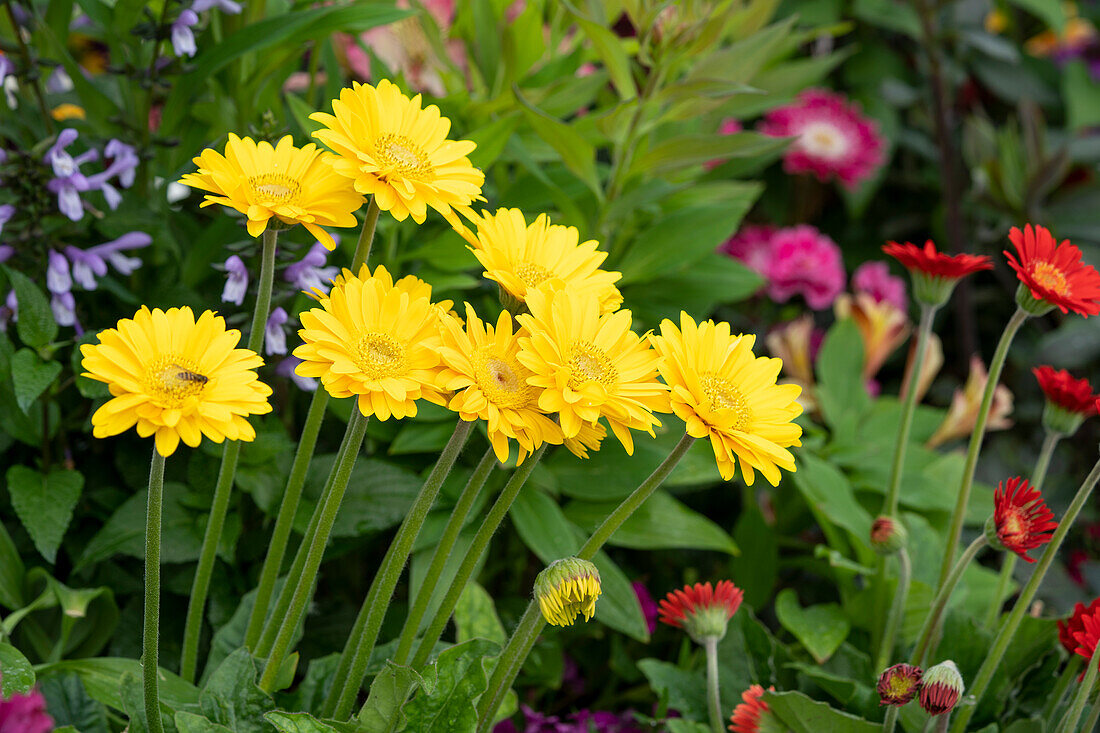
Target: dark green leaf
11,572
696,149
609,47
686,691
804,715
31,376
16,673
578,154
755,571
383,711
102,678
476,616
44,504
828,492
298,723
841,391
821,628
191,723
69,704
36,326
232,698
459,680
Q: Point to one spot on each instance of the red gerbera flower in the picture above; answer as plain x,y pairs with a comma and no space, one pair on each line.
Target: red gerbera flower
1073,395
1054,272
1089,635
746,716
1068,629
701,610
927,260
1020,517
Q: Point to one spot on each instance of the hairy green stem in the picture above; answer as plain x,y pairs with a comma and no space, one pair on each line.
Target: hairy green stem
932,622
995,367
1084,692
525,635
1012,622
150,641
223,490
891,719
714,695
897,611
442,553
1054,699
360,644
1093,719
357,428
908,409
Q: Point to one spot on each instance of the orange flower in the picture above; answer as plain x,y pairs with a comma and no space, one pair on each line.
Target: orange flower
883,326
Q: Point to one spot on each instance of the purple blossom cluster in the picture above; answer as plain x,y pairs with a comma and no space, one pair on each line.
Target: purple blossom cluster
183,38
69,182
584,721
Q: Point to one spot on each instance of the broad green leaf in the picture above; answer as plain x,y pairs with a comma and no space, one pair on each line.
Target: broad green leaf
803,715
191,723
686,691
70,705
297,723
1082,96
695,149
102,677
578,154
821,628
829,493
661,523
757,570
714,280
131,692
459,680
31,376
476,616
747,654
36,326
383,711
11,572
491,140
44,504
378,495
1052,12
16,673
609,47
232,698
679,725
841,391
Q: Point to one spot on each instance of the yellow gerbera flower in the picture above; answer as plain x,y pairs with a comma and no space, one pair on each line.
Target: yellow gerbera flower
294,185
399,153
175,378
566,589
481,361
590,365
724,392
373,340
589,438
521,257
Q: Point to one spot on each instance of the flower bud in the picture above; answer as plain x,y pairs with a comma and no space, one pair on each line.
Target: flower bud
566,588
888,535
1029,303
899,684
702,610
941,688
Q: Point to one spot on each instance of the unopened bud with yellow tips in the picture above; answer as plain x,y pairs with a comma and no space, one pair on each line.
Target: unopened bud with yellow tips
567,587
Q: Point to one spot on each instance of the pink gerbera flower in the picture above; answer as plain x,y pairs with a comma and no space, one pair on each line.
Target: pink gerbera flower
833,138
805,262
751,245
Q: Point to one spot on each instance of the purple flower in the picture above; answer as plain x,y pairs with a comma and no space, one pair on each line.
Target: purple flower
58,279
68,182
9,311
183,40
123,162
649,607
25,714
310,272
6,251
88,264
226,6
7,211
274,335
59,81
286,369
7,68
64,309
874,278
236,282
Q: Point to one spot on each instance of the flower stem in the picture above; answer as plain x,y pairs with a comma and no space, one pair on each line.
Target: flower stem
891,719
151,635
897,612
909,408
442,553
30,72
1008,565
525,635
357,650
1093,719
477,548
1084,692
932,622
1054,700
714,697
223,490
995,368
307,443
1012,623
357,428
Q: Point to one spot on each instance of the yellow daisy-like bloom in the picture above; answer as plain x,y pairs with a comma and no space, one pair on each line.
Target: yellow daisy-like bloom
399,153
521,258
375,341
590,365
293,185
726,393
567,588
175,378
589,438
481,361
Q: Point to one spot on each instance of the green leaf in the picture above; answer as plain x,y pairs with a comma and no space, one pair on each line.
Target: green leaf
476,617
31,376
36,326
609,47
821,628
131,693
1052,12
378,495
841,391
661,523
16,673
383,711
70,705
44,504
686,691
698,148
304,723
829,493
191,723
231,696
11,572
1082,96
803,715
491,140
680,725
459,680
102,677
578,154
756,571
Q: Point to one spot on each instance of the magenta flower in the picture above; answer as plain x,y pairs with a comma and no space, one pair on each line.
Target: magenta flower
805,262
833,138
874,278
752,245
25,714
649,606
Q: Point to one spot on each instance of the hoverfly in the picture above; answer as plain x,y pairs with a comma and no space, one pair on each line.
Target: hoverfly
186,375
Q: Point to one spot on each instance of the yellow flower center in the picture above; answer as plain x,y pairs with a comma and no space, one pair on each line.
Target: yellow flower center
1013,527
589,363
379,355
724,396
398,154
900,685
276,188
1050,277
823,140
170,380
531,274
499,379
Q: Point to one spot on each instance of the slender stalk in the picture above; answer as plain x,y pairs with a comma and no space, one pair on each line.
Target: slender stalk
524,637
897,611
1084,692
1054,700
941,722
357,651
1093,719
31,70
935,614
908,409
442,553
891,719
366,236
150,641
1008,564
357,428
1015,616
714,695
995,368
477,548
223,490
